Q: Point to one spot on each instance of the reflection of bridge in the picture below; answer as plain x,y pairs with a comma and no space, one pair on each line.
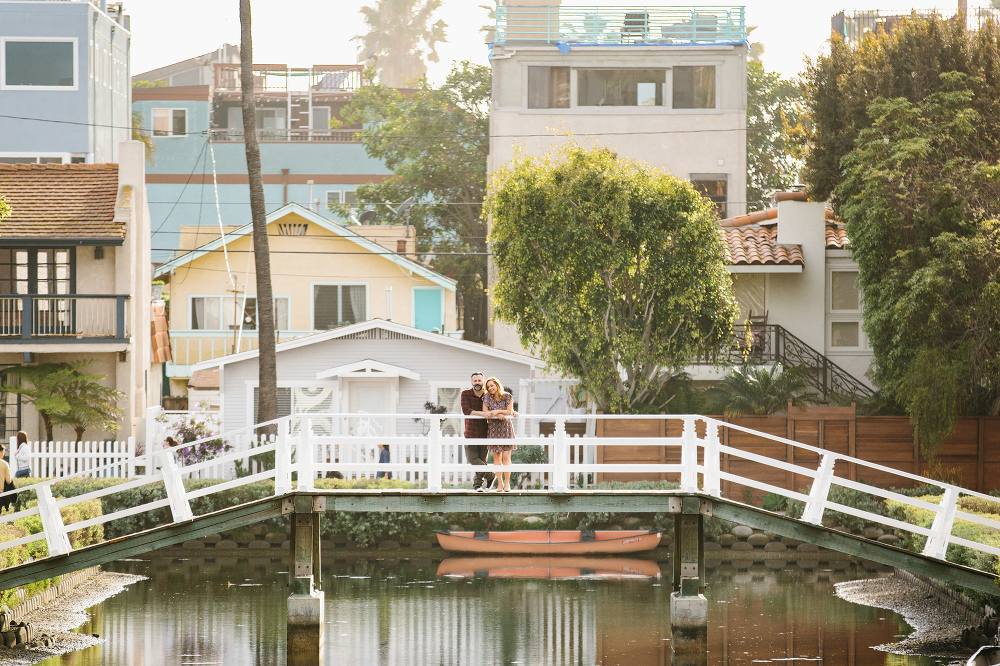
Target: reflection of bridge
699,472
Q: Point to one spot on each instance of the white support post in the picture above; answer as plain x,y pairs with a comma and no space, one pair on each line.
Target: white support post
306,453
176,495
130,457
560,480
689,458
813,512
434,455
937,542
283,459
713,460
152,427
52,522
522,395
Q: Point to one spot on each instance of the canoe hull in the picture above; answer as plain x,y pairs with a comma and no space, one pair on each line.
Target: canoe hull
988,655
500,543
553,568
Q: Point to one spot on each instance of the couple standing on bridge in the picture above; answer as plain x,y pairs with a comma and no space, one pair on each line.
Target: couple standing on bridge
486,398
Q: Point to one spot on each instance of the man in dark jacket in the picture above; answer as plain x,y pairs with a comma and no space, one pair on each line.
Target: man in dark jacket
472,405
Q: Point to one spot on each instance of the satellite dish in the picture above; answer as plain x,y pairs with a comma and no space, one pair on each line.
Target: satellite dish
404,208
366,217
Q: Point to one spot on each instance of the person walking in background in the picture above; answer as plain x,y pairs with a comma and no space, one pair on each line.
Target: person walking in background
476,429
6,501
383,459
499,408
22,456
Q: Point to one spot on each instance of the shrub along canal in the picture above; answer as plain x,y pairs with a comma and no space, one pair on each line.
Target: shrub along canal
230,610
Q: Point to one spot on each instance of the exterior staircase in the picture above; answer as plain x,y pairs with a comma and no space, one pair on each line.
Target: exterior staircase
766,344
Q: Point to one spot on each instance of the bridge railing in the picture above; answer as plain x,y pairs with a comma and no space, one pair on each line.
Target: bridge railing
695,454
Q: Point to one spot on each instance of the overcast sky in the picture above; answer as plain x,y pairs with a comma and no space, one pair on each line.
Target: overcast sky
301,33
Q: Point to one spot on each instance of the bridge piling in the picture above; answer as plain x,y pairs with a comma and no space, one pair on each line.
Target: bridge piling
688,605
304,633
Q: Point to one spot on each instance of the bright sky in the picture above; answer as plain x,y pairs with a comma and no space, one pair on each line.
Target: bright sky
319,32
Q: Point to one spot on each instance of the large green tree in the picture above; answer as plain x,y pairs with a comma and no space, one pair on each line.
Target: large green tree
774,114
921,197
611,269
435,141
908,64
400,36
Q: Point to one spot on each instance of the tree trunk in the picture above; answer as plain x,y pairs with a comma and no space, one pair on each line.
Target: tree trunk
79,434
268,383
47,422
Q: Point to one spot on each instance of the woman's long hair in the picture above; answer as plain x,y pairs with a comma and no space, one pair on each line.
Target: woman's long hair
22,437
500,390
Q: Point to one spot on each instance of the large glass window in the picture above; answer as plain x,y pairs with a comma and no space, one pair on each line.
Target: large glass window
338,304
694,87
302,400
220,313
169,122
844,293
620,87
39,63
548,87
36,271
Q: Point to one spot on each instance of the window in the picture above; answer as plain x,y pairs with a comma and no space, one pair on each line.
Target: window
694,87
336,197
338,304
10,407
302,400
451,399
750,290
37,271
845,308
620,87
548,87
32,159
712,186
320,118
218,313
39,64
169,122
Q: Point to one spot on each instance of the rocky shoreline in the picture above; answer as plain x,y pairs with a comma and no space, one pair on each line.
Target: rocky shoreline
65,613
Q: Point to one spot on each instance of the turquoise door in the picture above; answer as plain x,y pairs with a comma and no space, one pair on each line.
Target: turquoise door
428,309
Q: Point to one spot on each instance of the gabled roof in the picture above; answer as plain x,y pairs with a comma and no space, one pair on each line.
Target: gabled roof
329,225
61,201
368,368
376,329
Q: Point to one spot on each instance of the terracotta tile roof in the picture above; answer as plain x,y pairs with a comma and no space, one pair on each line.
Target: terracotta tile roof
204,380
756,245
60,201
836,237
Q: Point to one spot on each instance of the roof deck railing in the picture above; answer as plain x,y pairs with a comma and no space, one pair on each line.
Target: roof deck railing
617,26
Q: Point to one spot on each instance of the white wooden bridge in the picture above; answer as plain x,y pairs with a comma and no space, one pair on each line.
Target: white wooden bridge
301,456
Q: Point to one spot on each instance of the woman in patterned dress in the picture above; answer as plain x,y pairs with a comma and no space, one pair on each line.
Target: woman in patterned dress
499,408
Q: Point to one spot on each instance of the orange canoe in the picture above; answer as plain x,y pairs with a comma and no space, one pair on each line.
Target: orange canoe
553,542
558,567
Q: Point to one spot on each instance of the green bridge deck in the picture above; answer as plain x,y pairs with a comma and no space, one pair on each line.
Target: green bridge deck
461,501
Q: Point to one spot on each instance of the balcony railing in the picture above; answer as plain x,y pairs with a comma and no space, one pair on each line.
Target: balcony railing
765,344
225,134
619,25
47,318
280,78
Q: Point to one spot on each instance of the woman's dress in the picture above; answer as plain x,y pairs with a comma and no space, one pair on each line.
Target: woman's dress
499,428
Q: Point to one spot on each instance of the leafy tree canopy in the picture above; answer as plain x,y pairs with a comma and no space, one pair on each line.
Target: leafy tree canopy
435,141
4,207
907,64
613,270
774,117
400,35
921,195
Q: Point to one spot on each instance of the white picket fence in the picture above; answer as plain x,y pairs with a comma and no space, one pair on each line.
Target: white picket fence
59,459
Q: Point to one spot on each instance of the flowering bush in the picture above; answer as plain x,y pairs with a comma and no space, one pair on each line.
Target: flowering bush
190,427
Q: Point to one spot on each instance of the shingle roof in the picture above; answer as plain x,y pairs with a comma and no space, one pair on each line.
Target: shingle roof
204,380
60,201
757,245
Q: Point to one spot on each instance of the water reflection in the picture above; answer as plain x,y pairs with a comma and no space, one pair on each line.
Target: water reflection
403,612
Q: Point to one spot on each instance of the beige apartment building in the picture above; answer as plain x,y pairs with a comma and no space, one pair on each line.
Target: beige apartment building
665,85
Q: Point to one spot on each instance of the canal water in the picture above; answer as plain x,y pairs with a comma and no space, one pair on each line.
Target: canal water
460,611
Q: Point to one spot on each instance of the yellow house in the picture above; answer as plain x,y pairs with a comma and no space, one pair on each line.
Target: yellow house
323,275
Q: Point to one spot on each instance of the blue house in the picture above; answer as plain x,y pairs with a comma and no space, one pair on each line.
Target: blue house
65,61
198,130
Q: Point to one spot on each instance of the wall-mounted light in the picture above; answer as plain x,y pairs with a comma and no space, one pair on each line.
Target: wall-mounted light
98,252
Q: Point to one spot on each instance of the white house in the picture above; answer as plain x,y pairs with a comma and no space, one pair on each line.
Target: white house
377,367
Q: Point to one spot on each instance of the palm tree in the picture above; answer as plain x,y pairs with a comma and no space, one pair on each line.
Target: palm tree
267,406
755,390
399,38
